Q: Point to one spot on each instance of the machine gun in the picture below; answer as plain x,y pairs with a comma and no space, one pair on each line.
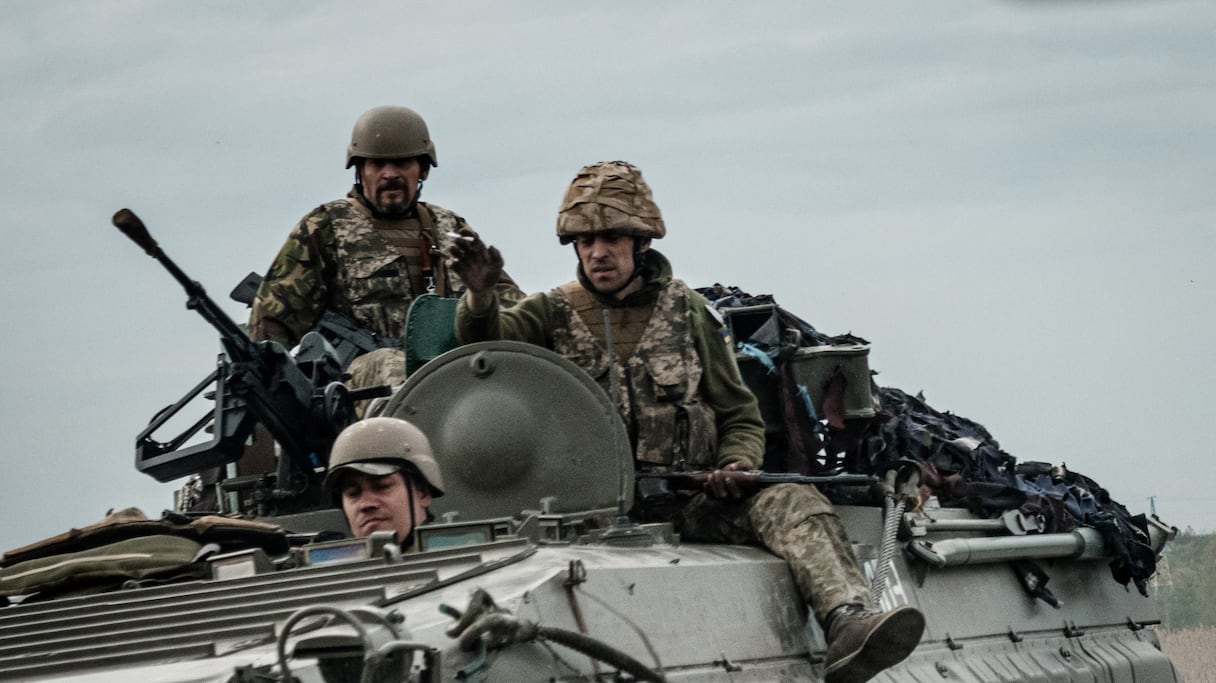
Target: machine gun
298,397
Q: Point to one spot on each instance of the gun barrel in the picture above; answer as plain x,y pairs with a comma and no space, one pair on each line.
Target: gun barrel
235,339
131,226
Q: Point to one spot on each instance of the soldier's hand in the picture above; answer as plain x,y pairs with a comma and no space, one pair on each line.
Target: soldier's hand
479,266
719,485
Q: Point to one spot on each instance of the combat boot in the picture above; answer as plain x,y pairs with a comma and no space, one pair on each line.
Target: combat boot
862,642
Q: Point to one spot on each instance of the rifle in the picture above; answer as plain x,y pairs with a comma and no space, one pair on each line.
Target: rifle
348,337
690,481
299,398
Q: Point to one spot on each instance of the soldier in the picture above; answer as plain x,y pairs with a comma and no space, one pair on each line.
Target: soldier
369,254
683,401
384,476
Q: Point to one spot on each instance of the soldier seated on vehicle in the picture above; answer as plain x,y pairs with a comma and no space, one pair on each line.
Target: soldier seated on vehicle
384,476
683,401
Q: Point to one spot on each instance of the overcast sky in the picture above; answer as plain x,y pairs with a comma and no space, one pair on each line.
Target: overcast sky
1011,200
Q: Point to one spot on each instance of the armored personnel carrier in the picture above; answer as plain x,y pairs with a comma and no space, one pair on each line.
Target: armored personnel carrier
533,540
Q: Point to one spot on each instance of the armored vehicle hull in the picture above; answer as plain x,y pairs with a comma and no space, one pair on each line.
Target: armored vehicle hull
531,538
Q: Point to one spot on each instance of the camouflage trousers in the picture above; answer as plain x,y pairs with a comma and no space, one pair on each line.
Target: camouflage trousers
375,368
795,522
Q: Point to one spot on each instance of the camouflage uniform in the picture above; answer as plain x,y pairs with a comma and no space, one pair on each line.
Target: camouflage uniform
344,258
684,404
658,370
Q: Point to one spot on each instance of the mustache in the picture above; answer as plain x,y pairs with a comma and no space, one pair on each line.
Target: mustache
393,184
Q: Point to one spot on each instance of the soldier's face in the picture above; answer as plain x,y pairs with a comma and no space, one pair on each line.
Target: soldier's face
607,259
390,185
374,503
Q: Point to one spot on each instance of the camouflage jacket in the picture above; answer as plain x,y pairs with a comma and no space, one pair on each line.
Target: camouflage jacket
678,357
341,257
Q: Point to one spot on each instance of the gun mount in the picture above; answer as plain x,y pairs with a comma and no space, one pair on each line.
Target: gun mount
298,397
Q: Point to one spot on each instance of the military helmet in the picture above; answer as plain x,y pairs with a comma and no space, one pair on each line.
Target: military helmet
380,446
609,196
390,132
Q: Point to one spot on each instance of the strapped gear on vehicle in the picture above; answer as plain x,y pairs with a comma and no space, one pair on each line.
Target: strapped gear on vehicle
126,546
964,466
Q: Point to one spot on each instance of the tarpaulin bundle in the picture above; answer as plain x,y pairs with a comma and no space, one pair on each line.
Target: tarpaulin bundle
964,466
127,548
961,463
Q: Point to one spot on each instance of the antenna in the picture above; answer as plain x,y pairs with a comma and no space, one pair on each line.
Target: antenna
614,388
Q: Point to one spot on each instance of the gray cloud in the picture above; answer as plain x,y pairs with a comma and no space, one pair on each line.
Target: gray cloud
1008,199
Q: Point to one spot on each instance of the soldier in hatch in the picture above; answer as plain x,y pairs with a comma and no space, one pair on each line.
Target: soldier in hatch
683,401
384,476
369,254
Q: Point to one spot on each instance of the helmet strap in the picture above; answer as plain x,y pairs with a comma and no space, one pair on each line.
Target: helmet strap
408,542
639,256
